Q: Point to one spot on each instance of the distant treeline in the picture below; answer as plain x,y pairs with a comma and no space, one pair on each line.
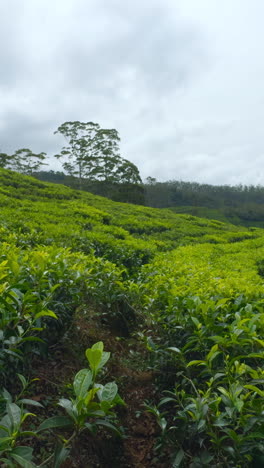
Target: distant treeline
124,192
238,204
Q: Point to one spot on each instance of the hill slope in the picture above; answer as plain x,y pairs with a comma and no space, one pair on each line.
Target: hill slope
48,213
240,205
179,302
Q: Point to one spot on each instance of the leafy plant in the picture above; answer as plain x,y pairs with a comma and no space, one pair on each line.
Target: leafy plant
91,406
13,416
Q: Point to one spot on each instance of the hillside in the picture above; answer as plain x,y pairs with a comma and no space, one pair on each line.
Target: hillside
96,222
177,300
239,205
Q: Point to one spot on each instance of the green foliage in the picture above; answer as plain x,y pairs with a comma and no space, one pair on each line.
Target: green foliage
93,153
23,161
40,291
192,287
12,428
241,205
126,192
209,350
90,408
91,400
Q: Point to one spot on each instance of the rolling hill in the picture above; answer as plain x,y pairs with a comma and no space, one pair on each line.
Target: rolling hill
178,300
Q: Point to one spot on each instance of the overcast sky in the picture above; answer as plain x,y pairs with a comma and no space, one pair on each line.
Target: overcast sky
181,80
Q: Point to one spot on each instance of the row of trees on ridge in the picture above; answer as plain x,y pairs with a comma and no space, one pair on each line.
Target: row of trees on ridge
91,153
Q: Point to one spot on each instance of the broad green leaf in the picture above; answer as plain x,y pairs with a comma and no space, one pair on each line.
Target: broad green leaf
105,357
106,406
201,424
4,441
24,452
90,396
4,428
255,389
210,356
109,425
196,322
260,342
9,307
109,391
22,461
28,433
27,401
99,345
213,356
68,406
217,338
32,338
239,404
254,355
94,357
45,313
179,457
166,400
61,454
22,380
163,424
174,350
55,421
14,413
196,363
119,401
82,382
91,427
218,375
6,395
6,422
221,422
224,391
95,413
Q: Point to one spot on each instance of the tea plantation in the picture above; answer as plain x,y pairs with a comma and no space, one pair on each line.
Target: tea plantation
174,297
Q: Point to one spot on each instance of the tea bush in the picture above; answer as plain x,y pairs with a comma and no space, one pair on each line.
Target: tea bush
191,288
207,313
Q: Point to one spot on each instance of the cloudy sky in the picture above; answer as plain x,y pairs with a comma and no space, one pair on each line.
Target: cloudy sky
181,80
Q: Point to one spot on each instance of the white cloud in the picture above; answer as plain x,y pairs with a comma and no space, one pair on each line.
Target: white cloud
181,81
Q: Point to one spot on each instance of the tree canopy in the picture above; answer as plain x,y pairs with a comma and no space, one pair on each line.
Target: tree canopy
23,160
93,153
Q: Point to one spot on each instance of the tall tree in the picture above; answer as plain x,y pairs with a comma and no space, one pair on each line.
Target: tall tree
4,159
26,162
93,153
127,172
23,160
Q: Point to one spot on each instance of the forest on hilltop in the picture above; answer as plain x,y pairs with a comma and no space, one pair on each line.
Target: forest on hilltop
239,204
